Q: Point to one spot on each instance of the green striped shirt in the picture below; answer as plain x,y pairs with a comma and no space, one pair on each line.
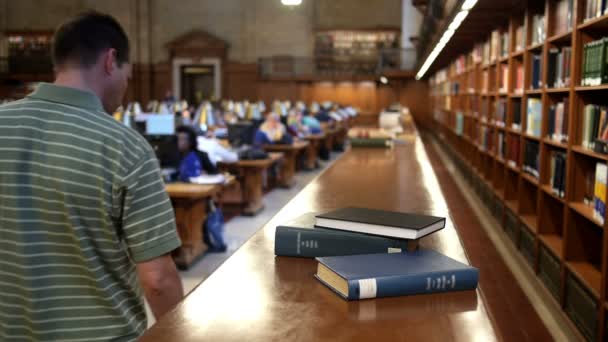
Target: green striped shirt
81,201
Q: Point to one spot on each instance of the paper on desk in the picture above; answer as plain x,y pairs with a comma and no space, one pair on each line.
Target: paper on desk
208,179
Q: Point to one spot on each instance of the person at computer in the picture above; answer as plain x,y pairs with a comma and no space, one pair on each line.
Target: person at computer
193,162
216,152
295,126
272,131
309,121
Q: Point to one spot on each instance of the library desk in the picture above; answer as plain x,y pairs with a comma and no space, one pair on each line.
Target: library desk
289,165
312,153
190,203
255,296
340,138
250,174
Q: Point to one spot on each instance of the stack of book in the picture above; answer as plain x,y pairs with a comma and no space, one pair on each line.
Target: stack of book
594,63
595,8
460,65
486,52
477,53
531,158
558,70
519,79
504,78
501,145
459,123
500,113
563,16
536,81
558,173
367,253
520,38
495,50
485,103
558,121
595,127
534,117
485,81
504,44
538,29
513,150
599,194
516,124
485,136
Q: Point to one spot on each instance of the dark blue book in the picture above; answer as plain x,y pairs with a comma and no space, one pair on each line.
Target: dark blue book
300,238
395,274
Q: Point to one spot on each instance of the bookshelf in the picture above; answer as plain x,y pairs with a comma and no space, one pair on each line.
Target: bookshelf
552,207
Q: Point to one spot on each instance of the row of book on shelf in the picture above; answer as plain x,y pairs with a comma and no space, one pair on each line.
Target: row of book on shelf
366,253
595,63
595,8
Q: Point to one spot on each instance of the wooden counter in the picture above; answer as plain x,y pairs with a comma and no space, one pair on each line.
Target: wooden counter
291,153
255,296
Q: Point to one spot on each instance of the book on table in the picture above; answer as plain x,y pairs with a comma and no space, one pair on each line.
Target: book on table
381,222
300,238
368,276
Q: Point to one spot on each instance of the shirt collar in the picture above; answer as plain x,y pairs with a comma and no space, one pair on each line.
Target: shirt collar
66,95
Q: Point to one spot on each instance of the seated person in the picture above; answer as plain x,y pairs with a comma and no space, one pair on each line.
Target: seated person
313,125
295,127
216,152
272,131
193,162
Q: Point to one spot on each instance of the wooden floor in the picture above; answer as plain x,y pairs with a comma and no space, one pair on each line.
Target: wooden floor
514,316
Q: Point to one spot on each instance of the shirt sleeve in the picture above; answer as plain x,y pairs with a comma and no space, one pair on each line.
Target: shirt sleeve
148,220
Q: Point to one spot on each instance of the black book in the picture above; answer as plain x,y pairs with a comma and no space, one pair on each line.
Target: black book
565,121
517,112
536,65
552,67
381,222
551,122
596,123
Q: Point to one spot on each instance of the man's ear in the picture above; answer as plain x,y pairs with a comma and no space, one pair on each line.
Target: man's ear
109,61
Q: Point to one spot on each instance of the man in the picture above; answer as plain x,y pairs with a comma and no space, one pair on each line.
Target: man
85,222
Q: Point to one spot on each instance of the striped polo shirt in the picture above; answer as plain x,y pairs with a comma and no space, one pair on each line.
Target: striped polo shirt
81,202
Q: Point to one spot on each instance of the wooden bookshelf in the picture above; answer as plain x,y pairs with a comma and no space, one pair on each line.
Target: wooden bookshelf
565,225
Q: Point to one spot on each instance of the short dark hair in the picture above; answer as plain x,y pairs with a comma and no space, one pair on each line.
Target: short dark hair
82,39
192,137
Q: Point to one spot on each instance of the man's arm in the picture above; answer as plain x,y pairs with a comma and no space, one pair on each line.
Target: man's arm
161,283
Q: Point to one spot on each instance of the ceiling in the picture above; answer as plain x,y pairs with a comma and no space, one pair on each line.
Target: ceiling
486,16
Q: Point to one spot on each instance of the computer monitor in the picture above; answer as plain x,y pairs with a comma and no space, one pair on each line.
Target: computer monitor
161,124
241,133
165,147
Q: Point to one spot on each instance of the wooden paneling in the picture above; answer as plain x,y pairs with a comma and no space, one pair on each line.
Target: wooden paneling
241,82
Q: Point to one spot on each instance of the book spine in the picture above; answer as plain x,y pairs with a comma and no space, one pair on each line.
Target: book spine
312,243
424,283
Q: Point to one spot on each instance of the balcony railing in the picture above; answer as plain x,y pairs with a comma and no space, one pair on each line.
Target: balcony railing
26,65
339,65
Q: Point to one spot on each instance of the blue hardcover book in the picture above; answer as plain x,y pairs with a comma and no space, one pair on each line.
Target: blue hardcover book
300,238
396,274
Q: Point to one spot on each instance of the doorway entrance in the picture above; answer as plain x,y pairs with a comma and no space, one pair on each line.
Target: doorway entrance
197,83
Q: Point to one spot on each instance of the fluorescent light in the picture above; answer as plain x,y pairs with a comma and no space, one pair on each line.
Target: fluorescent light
383,80
468,4
291,2
445,38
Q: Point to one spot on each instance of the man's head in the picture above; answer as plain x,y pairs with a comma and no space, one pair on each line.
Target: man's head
92,50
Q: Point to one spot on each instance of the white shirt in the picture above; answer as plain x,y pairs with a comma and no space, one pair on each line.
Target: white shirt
217,152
